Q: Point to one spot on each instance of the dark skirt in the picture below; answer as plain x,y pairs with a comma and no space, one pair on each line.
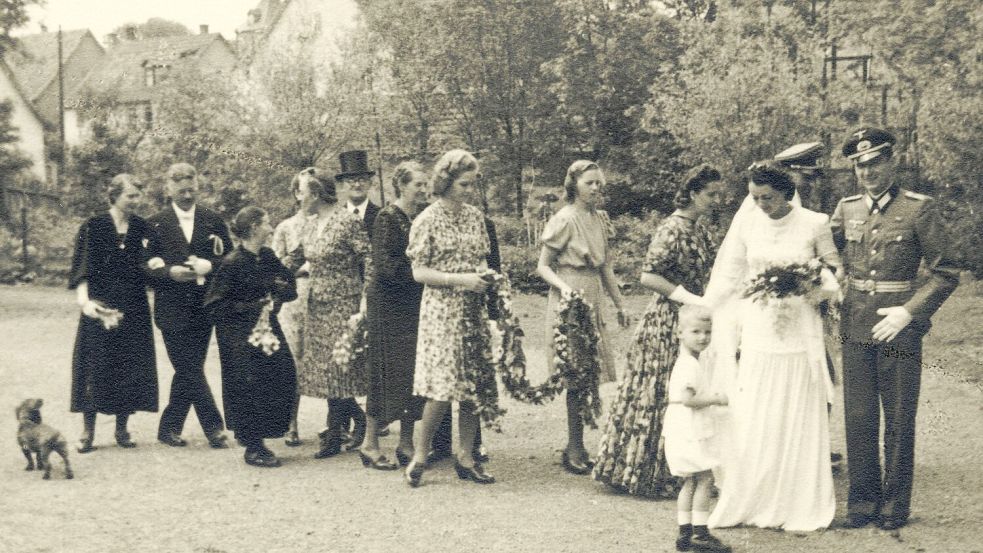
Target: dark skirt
391,361
114,371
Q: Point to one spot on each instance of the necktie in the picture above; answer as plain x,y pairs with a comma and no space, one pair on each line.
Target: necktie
357,214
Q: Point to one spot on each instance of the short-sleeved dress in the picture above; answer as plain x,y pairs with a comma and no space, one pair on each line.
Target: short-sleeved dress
631,456
688,432
113,371
393,301
258,390
580,240
336,246
454,242
286,238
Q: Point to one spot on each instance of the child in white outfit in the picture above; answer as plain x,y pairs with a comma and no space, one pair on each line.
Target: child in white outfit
688,429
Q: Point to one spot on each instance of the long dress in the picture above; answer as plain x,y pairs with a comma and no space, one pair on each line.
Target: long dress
580,240
336,246
113,371
454,242
393,302
257,389
286,238
631,457
776,470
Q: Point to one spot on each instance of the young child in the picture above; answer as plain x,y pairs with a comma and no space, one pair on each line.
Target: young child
688,429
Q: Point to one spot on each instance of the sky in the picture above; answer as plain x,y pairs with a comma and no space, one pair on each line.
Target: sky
102,16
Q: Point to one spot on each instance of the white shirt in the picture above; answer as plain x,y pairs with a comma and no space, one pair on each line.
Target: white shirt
186,219
360,207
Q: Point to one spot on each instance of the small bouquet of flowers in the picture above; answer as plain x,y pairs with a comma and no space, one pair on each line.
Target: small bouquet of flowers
109,317
262,335
779,282
352,347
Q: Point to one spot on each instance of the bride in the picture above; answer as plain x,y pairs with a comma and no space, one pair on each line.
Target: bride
776,472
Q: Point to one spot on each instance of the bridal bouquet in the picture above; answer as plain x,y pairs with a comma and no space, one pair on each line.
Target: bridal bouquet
262,335
779,282
352,347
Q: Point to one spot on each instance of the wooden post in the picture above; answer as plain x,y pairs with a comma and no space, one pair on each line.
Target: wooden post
25,257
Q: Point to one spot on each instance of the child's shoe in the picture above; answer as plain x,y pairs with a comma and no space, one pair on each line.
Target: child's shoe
685,535
706,542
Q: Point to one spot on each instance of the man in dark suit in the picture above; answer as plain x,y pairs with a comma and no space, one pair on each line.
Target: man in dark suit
884,234
187,242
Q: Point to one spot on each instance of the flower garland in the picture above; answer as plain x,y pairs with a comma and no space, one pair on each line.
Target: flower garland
477,364
576,341
351,350
262,335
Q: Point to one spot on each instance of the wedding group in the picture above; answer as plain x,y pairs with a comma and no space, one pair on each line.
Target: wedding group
727,382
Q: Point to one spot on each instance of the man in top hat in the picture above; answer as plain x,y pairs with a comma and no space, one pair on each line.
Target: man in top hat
187,243
356,178
883,234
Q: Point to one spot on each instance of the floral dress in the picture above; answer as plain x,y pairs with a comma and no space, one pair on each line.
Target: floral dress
454,242
336,246
286,238
631,456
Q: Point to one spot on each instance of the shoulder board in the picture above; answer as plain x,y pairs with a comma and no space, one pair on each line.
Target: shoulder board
916,195
852,198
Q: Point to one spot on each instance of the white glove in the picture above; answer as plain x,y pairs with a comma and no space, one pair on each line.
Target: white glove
200,266
682,295
92,309
829,286
895,320
155,263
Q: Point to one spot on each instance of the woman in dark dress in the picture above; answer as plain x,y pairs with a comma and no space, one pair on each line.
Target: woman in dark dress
113,366
393,315
258,386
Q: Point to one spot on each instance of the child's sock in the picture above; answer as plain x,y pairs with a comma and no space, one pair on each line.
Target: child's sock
684,518
700,523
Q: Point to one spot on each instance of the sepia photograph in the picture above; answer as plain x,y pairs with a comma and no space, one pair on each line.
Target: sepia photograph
491,275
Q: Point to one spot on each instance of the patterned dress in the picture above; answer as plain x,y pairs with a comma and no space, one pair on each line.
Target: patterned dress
631,457
336,246
286,238
454,242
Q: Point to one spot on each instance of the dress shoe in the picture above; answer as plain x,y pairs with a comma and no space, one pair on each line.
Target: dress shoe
357,436
171,439
890,524
330,445
402,458
707,542
85,446
413,474
437,455
218,441
574,466
261,458
123,440
480,454
378,464
684,543
292,439
858,520
475,474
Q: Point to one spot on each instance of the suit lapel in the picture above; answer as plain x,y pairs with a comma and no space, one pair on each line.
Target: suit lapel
197,233
173,231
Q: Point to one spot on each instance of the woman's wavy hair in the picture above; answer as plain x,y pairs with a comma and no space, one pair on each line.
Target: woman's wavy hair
118,183
321,184
246,220
697,179
449,167
574,172
403,175
770,173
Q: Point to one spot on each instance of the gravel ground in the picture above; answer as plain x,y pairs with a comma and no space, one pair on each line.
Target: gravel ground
155,498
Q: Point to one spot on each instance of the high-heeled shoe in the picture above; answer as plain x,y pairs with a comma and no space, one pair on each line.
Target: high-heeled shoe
475,474
413,474
358,433
123,440
378,464
402,458
574,466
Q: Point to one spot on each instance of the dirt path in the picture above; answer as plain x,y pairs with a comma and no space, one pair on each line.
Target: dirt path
155,498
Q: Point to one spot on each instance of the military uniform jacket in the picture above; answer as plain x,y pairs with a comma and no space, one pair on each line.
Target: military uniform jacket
178,305
888,246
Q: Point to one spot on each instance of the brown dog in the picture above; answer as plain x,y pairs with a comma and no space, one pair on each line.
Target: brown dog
34,436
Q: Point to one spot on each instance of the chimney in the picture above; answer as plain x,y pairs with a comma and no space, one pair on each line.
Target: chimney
203,29
130,32
112,39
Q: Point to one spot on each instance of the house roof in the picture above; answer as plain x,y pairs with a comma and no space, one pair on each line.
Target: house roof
270,12
18,87
122,71
35,63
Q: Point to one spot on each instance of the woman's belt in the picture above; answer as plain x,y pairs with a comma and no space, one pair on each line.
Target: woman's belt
880,286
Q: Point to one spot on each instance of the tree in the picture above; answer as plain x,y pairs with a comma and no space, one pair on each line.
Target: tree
13,15
12,160
93,164
155,27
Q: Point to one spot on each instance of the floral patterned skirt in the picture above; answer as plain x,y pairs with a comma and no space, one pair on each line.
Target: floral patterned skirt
631,456
319,376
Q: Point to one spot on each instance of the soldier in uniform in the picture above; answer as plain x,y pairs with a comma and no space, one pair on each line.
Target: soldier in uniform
883,235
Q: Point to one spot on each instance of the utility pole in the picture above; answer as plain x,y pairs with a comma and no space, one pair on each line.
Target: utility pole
60,180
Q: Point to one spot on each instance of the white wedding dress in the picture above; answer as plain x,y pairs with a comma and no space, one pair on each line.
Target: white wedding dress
776,466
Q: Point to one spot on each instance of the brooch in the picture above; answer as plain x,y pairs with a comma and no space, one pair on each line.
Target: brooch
218,248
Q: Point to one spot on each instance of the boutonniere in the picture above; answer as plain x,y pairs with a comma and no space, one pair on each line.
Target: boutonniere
145,243
218,247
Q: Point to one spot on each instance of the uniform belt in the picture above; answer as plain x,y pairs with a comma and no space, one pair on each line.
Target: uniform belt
880,286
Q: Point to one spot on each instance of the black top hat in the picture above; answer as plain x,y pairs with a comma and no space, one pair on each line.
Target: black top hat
354,163
868,143
801,157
